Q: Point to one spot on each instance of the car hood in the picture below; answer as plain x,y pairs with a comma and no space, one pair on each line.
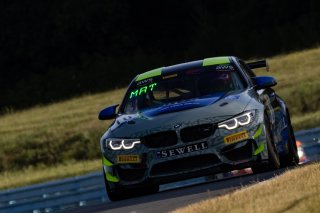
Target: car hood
210,109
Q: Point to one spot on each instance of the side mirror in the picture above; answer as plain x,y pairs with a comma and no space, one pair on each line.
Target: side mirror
108,113
263,82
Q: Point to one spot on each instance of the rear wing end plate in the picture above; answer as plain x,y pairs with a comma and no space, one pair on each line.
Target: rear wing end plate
259,64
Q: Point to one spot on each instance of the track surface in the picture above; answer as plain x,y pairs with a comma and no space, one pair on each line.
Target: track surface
171,199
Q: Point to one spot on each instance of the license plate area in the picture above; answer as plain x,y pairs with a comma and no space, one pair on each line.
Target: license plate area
123,159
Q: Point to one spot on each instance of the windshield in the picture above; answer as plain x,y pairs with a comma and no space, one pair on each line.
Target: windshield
203,82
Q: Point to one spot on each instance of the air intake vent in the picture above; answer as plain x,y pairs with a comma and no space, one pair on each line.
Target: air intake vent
185,164
161,139
131,174
197,132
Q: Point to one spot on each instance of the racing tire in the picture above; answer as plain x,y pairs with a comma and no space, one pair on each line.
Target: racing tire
273,157
129,193
292,158
113,196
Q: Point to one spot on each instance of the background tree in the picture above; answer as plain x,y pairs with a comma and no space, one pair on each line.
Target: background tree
53,50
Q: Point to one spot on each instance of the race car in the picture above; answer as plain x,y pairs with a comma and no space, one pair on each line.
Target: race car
194,119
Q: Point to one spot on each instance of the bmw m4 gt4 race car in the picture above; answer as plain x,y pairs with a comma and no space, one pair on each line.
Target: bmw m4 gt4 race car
194,119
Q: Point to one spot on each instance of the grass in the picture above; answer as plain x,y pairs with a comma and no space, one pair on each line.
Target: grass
296,190
307,120
54,134
298,76
67,132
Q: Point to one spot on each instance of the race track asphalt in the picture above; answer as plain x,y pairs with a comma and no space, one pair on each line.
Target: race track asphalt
172,199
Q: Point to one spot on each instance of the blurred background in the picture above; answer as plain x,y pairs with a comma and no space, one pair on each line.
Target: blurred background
54,50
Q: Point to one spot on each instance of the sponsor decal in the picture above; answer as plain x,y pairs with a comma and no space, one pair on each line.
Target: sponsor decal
236,137
224,68
182,150
144,82
128,159
142,90
170,76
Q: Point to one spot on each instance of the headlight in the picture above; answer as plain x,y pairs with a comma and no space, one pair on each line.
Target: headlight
120,144
240,120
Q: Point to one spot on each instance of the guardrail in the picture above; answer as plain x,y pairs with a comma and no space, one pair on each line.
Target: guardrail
55,195
77,191
308,135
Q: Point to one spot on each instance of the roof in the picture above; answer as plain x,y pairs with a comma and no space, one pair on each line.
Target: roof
183,66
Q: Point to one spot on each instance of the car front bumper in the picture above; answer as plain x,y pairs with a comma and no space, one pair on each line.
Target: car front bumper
205,157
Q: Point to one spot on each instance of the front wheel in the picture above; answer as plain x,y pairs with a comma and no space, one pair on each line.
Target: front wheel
273,157
115,195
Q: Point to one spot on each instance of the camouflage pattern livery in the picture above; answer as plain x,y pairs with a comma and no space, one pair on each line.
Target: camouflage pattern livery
190,138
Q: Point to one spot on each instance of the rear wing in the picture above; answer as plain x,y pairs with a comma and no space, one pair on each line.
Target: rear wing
259,64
